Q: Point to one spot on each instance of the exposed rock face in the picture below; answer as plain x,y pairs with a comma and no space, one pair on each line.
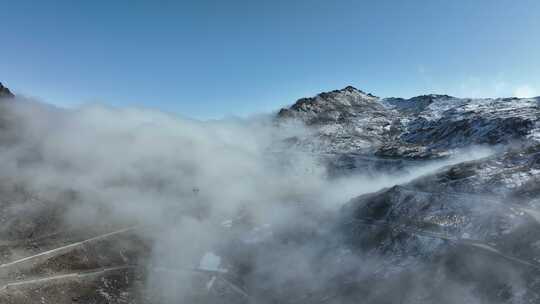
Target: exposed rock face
5,92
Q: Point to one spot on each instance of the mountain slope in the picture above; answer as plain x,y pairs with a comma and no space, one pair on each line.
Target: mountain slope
444,223
5,92
349,121
346,121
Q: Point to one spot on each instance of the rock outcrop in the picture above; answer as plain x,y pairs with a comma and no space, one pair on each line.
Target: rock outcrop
5,92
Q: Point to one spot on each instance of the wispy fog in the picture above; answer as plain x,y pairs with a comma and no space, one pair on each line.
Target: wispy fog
197,189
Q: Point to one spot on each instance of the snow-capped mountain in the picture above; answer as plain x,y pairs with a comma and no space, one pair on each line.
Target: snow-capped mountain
349,121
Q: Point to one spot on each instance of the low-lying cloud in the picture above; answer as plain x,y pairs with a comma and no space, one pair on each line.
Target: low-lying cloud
190,180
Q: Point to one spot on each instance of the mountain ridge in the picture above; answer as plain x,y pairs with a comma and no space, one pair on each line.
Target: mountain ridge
425,126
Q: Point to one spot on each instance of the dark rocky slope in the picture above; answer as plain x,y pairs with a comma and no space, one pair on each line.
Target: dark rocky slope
477,223
5,92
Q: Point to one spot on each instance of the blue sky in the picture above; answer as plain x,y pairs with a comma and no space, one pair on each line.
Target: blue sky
207,59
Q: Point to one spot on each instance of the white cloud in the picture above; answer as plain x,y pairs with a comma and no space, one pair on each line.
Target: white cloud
184,178
476,87
525,91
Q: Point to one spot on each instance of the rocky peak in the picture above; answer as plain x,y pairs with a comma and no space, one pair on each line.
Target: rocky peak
347,90
347,95
5,92
346,100
344,120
